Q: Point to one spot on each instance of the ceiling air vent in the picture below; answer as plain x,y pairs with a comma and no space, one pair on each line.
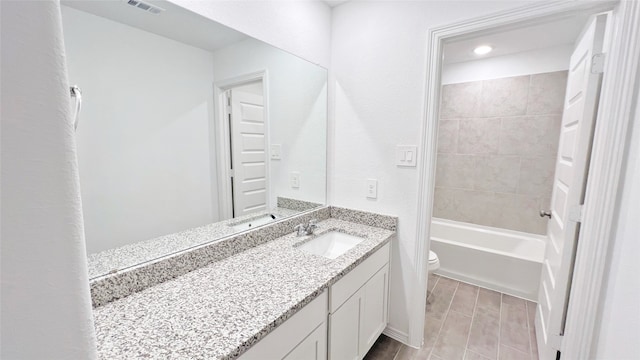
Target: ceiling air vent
145,6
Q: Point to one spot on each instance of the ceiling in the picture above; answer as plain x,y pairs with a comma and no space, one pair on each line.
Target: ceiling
334,3
174,23
184,26
516,40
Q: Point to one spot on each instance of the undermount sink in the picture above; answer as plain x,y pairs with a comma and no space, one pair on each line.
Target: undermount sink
331,244
252,223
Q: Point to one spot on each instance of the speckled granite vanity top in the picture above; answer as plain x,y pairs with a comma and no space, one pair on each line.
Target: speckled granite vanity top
113,260
220,310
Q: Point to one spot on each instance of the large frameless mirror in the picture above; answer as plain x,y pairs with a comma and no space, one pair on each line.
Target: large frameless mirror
189,131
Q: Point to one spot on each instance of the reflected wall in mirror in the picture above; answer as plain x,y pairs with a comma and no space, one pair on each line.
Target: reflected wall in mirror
189,131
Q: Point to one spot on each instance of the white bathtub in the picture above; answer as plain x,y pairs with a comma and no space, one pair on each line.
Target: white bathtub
503,260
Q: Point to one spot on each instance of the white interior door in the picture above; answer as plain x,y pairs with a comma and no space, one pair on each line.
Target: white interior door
248,155
580,108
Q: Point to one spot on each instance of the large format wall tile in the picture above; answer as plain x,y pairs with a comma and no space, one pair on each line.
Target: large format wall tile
504,97
443,203
460,100
454,171
536,175
447,136
496,173
546,93
477,207
497,146
479,136
521,213
530,135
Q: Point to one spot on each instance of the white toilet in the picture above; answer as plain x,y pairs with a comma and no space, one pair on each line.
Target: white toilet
434,262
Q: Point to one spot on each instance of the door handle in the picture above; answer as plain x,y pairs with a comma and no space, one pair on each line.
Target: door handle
545,213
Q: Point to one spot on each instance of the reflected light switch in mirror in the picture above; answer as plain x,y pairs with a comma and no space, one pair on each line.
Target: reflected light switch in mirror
295,179
276,151
406,155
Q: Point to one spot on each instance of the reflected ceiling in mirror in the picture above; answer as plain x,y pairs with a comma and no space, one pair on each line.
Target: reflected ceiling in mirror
190,131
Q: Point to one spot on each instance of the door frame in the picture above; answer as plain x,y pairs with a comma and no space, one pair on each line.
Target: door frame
606,164
222,147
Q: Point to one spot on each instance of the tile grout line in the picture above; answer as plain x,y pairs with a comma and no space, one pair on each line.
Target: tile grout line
429,295
500,327
446,314
526,308
473,316
425,313
398,352
514,349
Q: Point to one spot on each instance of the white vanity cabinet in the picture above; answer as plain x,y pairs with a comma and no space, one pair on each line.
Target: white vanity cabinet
301,337
358,308
340,324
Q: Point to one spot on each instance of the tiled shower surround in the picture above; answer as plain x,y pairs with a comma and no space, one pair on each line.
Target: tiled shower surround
497,145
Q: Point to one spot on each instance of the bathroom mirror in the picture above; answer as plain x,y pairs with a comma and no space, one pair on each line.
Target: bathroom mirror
186,123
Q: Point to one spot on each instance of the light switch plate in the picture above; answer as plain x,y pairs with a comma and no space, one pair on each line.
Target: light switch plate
406,155
295,179
372,188
276,151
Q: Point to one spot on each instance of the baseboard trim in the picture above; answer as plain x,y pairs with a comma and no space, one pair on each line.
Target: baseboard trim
485,284
396,334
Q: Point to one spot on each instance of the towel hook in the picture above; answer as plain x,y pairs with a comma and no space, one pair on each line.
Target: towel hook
77,95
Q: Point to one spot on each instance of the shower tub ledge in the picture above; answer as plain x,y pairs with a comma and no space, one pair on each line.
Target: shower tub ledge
498,259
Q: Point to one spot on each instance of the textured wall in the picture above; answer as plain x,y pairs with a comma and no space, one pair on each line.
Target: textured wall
297,114
376,97
144,133
497,147
45,305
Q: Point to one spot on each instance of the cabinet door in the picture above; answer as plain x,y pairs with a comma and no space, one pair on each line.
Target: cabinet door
344,326
374,311
287,337
313,347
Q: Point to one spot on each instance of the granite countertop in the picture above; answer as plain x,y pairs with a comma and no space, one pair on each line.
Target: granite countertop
111,260
219,311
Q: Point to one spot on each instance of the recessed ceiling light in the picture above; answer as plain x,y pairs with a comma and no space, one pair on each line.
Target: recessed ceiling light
482,50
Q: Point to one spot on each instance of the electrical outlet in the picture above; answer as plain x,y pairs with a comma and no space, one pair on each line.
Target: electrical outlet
276,151
372,188
295,179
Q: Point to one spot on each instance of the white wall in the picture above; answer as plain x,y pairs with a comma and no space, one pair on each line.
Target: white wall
46,310
143,139
301,27
297,106
377,91
45,305
524,63
619,331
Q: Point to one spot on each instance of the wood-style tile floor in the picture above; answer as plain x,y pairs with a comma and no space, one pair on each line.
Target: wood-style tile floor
466,322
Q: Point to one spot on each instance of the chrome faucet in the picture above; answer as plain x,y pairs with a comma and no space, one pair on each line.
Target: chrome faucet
311,225
302,230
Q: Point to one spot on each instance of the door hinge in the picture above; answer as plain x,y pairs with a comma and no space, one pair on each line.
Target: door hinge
556,342
597,63
575,213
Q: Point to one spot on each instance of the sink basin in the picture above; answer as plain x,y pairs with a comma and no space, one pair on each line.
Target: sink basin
250,224
331,244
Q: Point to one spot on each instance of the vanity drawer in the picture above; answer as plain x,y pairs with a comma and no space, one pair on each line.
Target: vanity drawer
356,278
306,326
